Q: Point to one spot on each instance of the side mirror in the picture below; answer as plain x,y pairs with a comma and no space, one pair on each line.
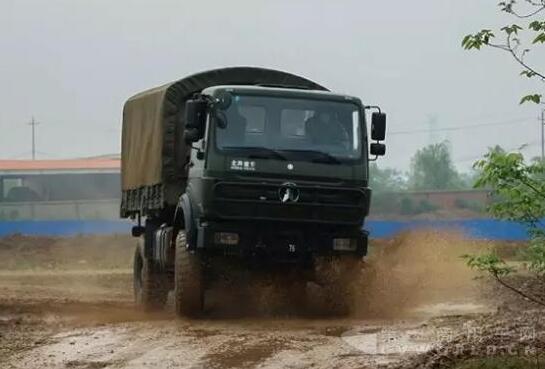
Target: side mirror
195,114
378,127
377,149
195,120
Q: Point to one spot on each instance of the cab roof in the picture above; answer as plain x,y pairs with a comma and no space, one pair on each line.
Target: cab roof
282,91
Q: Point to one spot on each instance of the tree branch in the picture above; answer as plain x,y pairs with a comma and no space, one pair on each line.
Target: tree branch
540,5
510,49
532,187
522,16
517,291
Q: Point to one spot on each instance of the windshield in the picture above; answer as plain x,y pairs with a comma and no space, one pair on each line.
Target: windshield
291,128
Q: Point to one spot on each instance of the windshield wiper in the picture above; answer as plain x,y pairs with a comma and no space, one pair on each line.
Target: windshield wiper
258,152
320,156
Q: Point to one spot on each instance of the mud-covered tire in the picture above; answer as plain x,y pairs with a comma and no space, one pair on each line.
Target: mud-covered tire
188,281
150,285
298,296
337,276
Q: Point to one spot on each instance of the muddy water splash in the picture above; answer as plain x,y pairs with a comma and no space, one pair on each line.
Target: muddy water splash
417,273
414,270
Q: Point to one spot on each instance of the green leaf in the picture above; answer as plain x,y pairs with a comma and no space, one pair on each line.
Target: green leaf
540,38
512,29
477,40
527,73
535,98
537,26
489,263
466,41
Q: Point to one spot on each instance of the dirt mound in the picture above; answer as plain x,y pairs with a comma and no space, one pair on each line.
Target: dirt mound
520,335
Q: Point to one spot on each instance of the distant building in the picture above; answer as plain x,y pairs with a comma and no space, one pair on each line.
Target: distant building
60,189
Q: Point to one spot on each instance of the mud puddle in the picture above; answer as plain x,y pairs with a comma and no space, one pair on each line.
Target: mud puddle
240,343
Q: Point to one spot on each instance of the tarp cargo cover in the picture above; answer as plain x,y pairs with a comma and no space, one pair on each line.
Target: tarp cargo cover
153,151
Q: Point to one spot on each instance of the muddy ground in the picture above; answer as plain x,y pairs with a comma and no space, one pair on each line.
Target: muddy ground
67,303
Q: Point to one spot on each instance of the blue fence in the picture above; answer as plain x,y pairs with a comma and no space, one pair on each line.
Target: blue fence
486,229
475,228
64,227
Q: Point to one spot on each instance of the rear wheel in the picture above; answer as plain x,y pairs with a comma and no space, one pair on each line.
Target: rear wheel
188,283
150,285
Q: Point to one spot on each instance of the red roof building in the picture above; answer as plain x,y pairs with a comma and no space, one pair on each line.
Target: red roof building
91,165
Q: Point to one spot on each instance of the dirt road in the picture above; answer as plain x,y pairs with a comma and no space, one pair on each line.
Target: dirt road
82,317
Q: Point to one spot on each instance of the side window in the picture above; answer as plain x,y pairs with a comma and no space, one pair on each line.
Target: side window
356,134
8,184
255,119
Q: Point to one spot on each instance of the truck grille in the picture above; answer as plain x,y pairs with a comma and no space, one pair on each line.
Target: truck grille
315,203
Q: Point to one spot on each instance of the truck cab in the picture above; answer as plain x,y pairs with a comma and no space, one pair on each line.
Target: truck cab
292,163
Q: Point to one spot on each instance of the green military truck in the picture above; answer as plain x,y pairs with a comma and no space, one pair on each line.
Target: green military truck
248,164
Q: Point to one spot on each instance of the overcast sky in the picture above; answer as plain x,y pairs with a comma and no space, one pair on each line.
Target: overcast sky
72,64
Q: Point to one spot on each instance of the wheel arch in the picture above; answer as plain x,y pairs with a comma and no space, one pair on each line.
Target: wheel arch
183,219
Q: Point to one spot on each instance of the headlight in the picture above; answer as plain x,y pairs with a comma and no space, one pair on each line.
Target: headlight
226,238
345,244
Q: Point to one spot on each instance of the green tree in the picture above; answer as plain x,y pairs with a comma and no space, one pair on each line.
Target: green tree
518,187
432,169
530,27
386,180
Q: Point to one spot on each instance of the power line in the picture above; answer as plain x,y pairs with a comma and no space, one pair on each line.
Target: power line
519,147
459,128
18,156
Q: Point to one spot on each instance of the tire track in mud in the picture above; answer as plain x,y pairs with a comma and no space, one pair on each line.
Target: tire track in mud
218,344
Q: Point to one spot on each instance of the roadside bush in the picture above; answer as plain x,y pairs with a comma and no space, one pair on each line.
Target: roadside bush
519,190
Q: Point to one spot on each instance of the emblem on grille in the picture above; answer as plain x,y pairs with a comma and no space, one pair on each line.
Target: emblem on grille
288,192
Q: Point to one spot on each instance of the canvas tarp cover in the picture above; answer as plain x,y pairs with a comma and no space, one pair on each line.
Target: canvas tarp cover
142,140
153,151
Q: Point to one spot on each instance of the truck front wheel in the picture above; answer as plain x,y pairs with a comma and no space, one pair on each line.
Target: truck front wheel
188,284
337,276
150,285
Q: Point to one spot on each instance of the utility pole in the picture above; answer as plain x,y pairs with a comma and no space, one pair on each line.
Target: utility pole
432,125
543,136
33,124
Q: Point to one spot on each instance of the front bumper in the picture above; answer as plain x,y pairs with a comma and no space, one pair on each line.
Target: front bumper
280,240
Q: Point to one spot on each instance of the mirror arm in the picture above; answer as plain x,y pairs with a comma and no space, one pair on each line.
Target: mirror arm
211,101
195,148
372,107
